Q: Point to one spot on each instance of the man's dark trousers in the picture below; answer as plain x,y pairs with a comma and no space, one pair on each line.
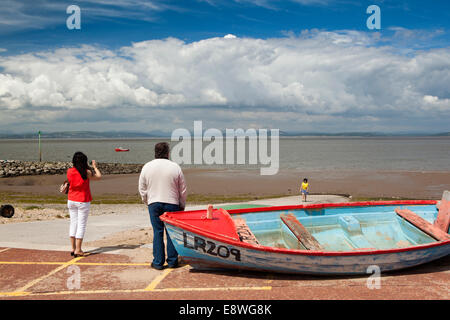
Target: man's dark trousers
156,209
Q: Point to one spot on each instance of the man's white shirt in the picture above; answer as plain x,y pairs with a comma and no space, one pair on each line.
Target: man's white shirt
162,180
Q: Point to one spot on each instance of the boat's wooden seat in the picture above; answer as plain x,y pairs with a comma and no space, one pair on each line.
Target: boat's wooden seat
303,235
422,224
244,232
443,219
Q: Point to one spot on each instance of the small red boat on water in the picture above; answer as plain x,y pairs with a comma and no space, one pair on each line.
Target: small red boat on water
120,149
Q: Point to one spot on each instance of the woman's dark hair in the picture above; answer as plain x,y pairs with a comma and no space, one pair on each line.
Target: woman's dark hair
162,150
305,180
80,162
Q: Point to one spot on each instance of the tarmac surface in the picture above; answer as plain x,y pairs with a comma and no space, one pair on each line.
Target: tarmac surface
36,265
41,274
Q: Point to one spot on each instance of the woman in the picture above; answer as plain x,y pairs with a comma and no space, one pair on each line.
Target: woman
79,199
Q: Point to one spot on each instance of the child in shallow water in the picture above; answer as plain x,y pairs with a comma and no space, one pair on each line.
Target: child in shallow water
304,189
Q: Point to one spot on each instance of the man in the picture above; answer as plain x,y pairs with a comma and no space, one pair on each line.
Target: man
162,187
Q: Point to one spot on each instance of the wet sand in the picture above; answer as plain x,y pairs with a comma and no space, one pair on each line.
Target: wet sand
359,184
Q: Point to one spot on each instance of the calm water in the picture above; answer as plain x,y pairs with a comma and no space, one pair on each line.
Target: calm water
305,153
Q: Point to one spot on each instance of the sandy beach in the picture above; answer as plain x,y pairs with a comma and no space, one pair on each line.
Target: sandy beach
358,184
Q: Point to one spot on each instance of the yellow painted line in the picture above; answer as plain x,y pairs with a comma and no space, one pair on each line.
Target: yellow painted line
213,289
34,282
14,294
157,280
106,291
32,263
77,263
3,250
86,292
112,264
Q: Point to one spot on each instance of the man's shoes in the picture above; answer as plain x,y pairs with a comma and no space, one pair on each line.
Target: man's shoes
157,267
179,263
174,266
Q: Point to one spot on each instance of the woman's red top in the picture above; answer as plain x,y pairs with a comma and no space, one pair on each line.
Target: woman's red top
79,189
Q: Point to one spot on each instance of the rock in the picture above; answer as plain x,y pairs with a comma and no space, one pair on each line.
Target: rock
17,168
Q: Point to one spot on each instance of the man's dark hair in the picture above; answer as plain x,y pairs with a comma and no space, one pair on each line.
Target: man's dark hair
162,150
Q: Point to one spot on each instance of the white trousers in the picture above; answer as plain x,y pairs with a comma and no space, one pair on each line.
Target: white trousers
79,212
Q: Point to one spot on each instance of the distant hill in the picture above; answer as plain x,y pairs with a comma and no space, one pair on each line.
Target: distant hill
160,134
364,134
84,135
444,134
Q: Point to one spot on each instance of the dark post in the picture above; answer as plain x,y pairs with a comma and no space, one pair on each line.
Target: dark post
40,153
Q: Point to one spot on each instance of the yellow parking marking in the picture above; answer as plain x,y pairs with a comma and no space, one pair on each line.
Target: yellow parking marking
61,265
157,280
14,294
213,289
32,263
105,291
3,250
112,264
77,263
87,292
34,282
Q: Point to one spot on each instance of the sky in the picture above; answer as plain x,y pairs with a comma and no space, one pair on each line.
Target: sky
294,65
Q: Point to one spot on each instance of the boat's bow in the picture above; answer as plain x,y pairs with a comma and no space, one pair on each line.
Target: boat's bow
219,225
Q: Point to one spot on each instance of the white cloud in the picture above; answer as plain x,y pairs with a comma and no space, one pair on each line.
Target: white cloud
434,103
401,33
314,2
324,76
37,14
273,4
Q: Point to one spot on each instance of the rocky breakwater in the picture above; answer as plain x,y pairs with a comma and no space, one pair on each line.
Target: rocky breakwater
15,168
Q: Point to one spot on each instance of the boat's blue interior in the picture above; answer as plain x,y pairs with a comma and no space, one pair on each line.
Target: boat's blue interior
343,228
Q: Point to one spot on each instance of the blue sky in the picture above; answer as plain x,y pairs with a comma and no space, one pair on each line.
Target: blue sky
43,21
163,64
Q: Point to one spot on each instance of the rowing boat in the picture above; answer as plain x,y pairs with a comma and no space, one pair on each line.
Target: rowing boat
322,239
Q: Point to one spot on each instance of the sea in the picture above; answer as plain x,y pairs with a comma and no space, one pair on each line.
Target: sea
299,153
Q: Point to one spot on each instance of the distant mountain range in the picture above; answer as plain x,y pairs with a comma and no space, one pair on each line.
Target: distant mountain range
365,134
84,135
160,134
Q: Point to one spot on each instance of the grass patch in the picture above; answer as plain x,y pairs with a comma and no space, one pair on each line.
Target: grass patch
32,208
36,199
358,199
14,197
214,198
